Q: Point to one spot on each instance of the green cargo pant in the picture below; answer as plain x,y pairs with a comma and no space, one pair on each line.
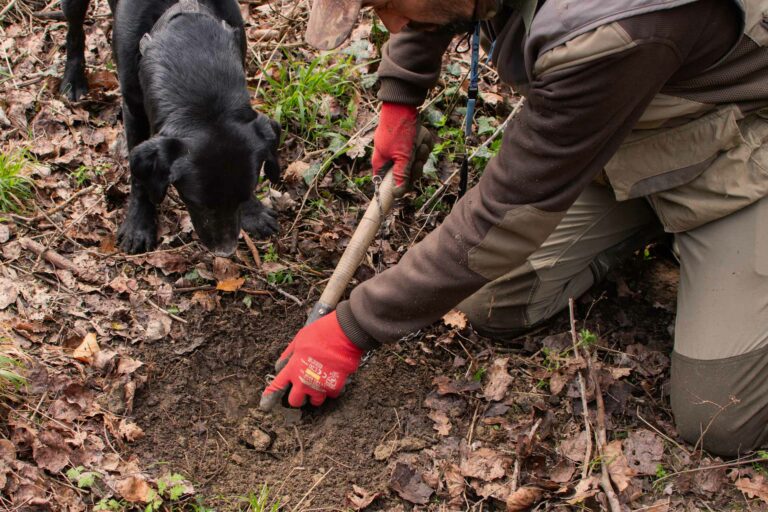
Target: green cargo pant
720,362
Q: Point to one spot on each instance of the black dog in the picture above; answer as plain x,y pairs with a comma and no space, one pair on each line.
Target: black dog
187,116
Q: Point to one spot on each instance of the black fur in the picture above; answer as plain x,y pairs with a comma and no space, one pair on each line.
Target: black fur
188,122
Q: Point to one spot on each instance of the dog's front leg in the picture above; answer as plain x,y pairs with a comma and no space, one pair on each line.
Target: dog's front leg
136,124
138,232
73,83
258,220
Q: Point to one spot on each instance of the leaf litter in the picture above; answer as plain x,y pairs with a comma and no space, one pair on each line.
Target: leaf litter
117,384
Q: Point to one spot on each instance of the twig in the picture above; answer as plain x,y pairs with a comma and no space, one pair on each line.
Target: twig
280,291
583,391
171,315
301,445
312,489
716,466
254,250
56,259
600,435
59,207
666,437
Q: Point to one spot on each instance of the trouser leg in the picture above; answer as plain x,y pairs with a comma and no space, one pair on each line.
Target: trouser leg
590,239
720,365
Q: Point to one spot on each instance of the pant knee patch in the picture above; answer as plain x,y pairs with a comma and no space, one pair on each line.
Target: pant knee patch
723,402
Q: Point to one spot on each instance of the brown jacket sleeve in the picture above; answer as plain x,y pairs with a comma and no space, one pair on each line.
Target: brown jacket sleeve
572,123
410,65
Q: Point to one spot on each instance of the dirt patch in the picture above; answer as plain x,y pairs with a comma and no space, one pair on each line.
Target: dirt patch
200,410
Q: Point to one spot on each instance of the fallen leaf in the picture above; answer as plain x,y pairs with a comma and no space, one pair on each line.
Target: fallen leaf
158,327
754,488
447,386
87,349
134,489
644,451
574,447
8,293
483,463
523,499
128,365
562,472
5,232
225,269
455,485
442,423
455,319
661,505
207,300
498,380
409,485
618,468
407,444
360,498
50,451
129,431
586,488
230,285
168,262
294,173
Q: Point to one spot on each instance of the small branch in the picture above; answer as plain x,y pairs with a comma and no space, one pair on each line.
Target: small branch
312,489
59,207
583,392
280,291
254,250
171,315
57,260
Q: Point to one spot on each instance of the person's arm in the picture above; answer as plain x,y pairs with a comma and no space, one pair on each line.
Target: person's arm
572,123
410,65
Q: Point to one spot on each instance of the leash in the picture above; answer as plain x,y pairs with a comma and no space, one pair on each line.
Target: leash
472,93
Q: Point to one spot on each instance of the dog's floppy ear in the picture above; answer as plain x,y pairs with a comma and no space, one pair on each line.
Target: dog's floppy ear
151,163
269,131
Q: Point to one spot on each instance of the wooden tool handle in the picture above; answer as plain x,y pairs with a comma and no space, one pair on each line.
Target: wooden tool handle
380,206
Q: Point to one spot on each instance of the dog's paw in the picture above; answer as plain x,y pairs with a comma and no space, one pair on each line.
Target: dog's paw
135,237
74,85
260,221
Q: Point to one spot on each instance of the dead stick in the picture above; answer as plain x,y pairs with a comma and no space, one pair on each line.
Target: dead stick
63,205
281,291
56,259
583,391
254,250
600,435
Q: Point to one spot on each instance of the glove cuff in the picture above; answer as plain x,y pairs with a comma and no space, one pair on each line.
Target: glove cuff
393,90
352,329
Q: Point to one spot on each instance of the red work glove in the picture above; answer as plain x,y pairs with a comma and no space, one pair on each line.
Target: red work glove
315,364
399,139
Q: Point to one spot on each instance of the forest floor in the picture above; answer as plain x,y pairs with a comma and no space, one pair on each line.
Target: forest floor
132,382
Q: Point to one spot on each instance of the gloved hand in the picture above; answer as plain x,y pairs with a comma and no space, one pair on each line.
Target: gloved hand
400,139
315,364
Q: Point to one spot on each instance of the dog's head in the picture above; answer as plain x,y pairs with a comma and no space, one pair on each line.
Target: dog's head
214,169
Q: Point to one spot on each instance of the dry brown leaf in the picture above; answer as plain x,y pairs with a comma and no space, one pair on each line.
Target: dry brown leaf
409,485
455,319
168,262
158,326
206,300
618,468
586,488
407,444
87,349
562,472
442,423
8,293
230,285
644,451
294,173
523,499
455,485
754,488
129,431
360,498
483,463
134,489
225,269
498,380
575,447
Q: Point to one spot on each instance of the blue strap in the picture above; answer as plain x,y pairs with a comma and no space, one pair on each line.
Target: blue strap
474,78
